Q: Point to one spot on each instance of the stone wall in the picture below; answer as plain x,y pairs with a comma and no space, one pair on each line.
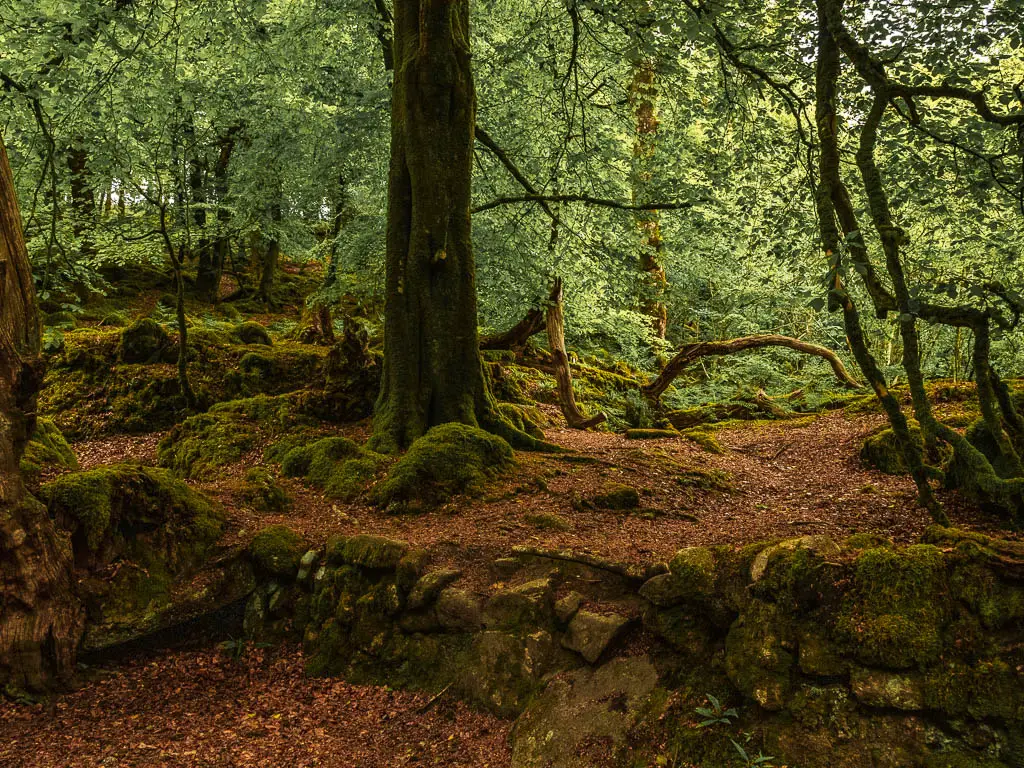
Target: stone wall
858,653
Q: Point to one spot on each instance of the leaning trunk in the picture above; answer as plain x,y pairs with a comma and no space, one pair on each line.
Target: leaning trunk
432,368
40,618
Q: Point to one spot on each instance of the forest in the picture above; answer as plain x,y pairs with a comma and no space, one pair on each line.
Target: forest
511,383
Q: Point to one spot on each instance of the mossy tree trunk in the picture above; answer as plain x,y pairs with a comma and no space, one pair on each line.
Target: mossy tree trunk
432,367
40,618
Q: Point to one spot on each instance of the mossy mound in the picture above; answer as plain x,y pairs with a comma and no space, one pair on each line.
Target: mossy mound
336,464
47,450
136,533
261,489
97,505
882,451
252,333
144,341
203,444
524,418
448,460
617,496
277,550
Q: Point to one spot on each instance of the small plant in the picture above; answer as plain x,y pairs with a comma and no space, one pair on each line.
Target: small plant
714,714
760,760
237,647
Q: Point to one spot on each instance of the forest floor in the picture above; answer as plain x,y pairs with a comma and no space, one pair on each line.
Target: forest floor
202,707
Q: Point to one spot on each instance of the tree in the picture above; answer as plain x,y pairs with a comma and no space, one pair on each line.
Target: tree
432,368
40,618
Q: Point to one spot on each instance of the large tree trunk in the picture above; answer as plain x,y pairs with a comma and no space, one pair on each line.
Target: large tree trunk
213,257
40,618
432,368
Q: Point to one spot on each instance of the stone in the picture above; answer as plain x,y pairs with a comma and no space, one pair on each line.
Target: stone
582,716
756,658
818,657
410,568
888,690
824,546
529,605
506,669
429,587
663,591
617,496
307,565
374,552
591,634
567,607
458,610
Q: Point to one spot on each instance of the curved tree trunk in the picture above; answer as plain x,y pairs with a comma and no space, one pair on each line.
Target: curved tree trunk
432,368
690,352
40,618
563,374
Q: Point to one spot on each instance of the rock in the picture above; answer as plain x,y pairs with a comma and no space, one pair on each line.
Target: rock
507,566
143,342
567,607
255,616
278,550
307,565
252,332
617,496
529,605
664,590
683,629
375,552
410,569
818,657
756,659
590,634
507,669
693,574
820,545
888,690
429,587
584,715
458,610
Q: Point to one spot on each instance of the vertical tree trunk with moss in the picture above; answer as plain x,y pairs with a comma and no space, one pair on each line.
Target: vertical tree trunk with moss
40,618
432,368
643,96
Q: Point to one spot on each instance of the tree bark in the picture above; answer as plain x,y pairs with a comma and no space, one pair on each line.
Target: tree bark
213,257
271,257
41,619
690,352
563,374
432,368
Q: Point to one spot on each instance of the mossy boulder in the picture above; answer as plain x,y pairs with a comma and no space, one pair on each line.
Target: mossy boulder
338,465
894,612
448,460
252,332
278,550
144,341
204,443
47,451
261,489
373,552
523,418
617,496
138,536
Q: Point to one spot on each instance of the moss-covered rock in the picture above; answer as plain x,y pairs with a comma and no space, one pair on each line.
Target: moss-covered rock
449,459
261,489
137,533
373,552
894,613
277,550
338,465
204,443
144,341
47,451
617,496
523,418
252,333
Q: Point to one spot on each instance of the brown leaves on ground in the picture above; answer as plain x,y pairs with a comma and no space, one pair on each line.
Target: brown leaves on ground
207,709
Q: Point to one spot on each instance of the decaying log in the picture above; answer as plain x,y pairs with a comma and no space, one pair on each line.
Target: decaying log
690,352
563,375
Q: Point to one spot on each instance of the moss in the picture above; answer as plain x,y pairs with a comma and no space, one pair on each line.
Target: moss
374,552
278,550
94,505
882,451
986,688
547,522
46,450
204,443
617,496
144,341
261,489
705,438
894,613
693,573
115,320
336,464
252,333
521,418
651,434
449,459
705,479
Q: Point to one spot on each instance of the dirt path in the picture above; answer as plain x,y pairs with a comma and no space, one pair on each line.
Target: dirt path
206,709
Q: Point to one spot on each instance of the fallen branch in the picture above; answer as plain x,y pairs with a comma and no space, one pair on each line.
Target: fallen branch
634,573
515,337
690,352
